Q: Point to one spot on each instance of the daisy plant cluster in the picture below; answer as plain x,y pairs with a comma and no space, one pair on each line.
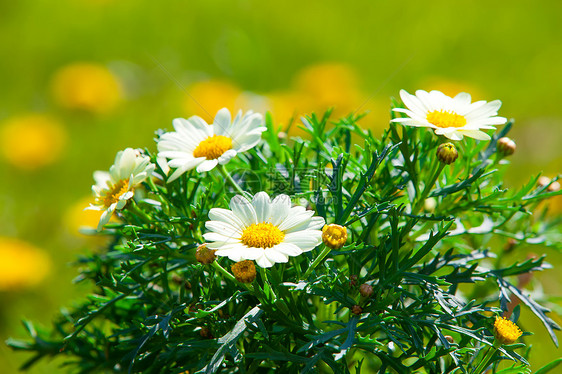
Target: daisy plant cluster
238,250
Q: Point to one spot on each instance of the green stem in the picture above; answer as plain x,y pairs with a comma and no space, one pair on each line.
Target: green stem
228,177
317,261
428,187
133,207
487,359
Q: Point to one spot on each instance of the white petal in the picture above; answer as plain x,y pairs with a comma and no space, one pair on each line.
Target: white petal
279,209
480,135
106,216
244,210
223,228
453,135
219,237
288,249
225,246
261,203
463,99
227,156
412,102
316,223
101,178
264,262
207,165
227,216
222,122
296,220
306,240
275,256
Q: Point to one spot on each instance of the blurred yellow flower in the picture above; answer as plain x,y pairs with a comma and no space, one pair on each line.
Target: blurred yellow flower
288,107
315,89
211,96
86,86
330,85
32,141
78,220
22,265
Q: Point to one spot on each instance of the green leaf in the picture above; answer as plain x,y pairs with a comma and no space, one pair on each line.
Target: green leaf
548,367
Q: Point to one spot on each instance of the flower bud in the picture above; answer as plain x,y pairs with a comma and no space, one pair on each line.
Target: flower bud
447,153
334,236
353,280
366,290
205,333
430,204
356,309
450,339
205,255
510,245
546,181
244,271
554,186
506,146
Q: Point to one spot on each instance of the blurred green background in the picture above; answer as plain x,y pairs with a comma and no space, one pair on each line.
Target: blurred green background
83,79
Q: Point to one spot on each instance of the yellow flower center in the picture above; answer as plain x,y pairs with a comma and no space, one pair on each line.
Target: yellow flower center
506,331
213,147
442,118
112,196
262,235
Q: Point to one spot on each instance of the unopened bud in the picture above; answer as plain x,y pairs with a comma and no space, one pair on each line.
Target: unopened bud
356,309
546,181
430,204
447,153
244,271
177,279
554,186
366,290
334,236
353,280
543,181
205,333
205,255
511,243
449,339
506,146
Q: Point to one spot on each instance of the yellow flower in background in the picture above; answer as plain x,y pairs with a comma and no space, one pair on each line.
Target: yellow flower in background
86,86
211,96
22,265
80,221
330,85
32,141
287,108
315,89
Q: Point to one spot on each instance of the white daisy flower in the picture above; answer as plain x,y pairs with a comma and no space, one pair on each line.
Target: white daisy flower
451,117
196,144
264,230
112,190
